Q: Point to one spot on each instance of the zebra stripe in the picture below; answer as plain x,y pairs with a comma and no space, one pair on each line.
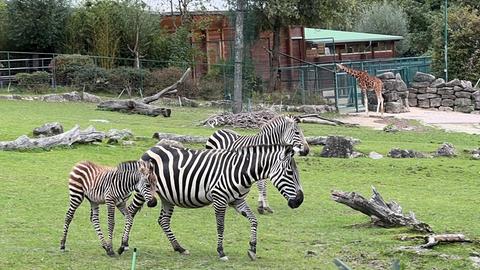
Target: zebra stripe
196,178
279,130
111,186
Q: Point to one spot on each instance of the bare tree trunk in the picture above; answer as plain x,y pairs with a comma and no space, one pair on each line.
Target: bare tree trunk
238,76
272,84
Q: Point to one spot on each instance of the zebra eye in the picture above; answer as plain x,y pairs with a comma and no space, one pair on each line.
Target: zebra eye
147,185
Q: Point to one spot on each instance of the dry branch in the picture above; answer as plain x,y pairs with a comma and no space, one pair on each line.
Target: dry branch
383,214
169,90
240,120
317,119
180,138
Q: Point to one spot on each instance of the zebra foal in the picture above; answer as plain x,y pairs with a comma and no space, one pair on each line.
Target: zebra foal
197,178
110,186
279,130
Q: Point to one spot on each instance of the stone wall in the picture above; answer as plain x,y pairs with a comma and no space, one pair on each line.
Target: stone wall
395,93
426,91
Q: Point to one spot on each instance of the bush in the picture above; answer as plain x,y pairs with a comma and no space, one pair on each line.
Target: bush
36,81
65,65
90,78
211,88
162,78
127,78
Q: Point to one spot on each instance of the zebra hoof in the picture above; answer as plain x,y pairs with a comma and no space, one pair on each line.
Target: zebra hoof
252,255
185,252
122,249
62,249
269,210
224,258
261,210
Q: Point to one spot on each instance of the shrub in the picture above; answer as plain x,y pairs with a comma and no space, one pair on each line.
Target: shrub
65,65
36,81
90,78
162,78
126,78
211,88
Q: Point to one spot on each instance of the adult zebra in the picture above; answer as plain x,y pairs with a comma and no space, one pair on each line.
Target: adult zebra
111,186
196,178
279,130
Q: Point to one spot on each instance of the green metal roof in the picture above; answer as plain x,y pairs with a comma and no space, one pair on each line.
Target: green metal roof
325,36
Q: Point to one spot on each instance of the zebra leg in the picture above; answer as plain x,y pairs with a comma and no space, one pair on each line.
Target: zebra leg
96,224
74,204
263,207
164,222
111,225
220,209
136,204
128,225
242,207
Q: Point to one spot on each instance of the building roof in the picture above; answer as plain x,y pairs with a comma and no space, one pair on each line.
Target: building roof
325,36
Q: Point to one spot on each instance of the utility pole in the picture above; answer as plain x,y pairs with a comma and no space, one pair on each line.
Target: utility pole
446,41
238,76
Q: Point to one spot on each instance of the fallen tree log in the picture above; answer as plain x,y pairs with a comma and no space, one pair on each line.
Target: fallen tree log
382,214
180,138
254,119
317,119
141,106
89,135
24,142
132,106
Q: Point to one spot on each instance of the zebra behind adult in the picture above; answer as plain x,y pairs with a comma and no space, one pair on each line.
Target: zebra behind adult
196,178
279,130
111,186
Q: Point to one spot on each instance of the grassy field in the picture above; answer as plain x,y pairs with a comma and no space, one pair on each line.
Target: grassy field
33,200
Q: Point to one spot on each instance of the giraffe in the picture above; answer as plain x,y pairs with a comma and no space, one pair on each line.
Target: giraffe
366,83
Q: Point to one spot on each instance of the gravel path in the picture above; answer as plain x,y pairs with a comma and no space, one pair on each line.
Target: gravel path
449,121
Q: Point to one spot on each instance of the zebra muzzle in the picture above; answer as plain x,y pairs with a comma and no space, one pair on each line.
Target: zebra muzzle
152,202
297,201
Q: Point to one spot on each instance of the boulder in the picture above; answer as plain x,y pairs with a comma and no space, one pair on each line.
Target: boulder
447,102
464,109
170,143
401,153
431,90
466,84
375,155
72,96
386,76
446,150
391,128
463,94
424,103
445,91
476,96
393,107
53,98
423,77
391,96
463,102
338,147
416,84
449,97
457,88
435,102
476,154
426,96
440,82
87,97
422,90
413,102
115,135
48,129
477,105
452,83
412,90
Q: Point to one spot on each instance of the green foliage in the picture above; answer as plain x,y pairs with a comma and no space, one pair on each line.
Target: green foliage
130,79
66,65
385,18
3,25
463,43
36,25
37,80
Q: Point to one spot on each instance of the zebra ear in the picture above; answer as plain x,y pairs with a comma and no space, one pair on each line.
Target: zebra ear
289,151
151,166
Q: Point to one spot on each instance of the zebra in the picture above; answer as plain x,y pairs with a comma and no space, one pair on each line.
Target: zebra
196,178
279,130
111,186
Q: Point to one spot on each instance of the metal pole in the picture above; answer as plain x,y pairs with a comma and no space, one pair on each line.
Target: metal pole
446,40
134,258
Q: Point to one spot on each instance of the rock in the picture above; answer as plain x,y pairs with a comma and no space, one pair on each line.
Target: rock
466,84
391,128
419,85
87,97
413,102
445,91
422,90
435,102
445,109
128,143
338,147
425,103
477,105
462,94
463,102
455,82
423,77
308,109
386,76
447,102
114,135
48,129
446,150
476,154
464,109
457,88
476,96
393,107
53,98
72,96
375,155
400,153
189,102
170,143
440,82
431,90
453,97
99,120
311,253
412,95
475,112
391,96
426,96
412,90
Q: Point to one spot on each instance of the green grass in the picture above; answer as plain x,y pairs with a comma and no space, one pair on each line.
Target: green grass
33,200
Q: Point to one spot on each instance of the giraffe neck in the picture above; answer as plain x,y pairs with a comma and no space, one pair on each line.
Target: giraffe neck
353,72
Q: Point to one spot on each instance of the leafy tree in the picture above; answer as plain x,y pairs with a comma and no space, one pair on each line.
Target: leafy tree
36,25
463,43
3,25
385,18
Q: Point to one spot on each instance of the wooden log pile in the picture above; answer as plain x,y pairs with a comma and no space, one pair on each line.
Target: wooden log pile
254,119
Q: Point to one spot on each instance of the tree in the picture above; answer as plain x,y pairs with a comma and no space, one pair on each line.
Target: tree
37,25
3,25
463,43
237,90
385,18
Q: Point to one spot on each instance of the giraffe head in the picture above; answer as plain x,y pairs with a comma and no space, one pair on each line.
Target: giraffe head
340,66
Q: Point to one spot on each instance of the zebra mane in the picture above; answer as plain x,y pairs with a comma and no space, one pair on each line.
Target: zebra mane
274,122
260,145
128,165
